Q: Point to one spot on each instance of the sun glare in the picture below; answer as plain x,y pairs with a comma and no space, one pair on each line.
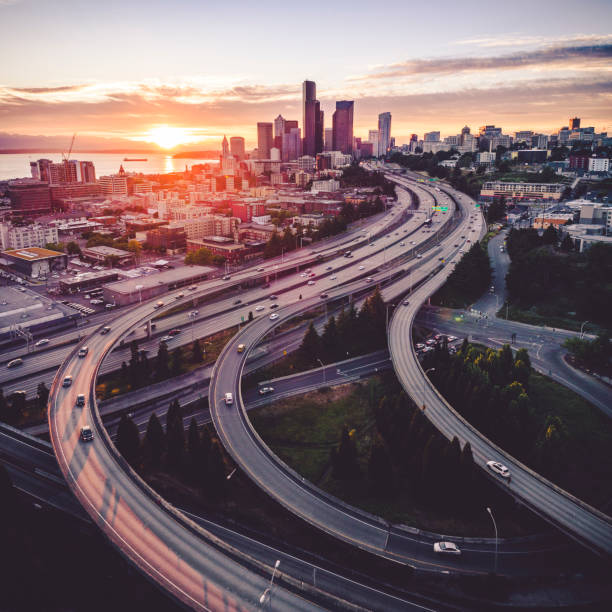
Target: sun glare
168,137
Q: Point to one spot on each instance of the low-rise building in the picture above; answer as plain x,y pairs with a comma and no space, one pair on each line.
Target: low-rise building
522,191
87,280
25,236
171,238
133,290
34,262
599,164
219,245
102,254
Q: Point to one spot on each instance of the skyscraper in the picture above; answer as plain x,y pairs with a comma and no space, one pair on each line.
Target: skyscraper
265,141
574,123
384,133
279,130
237,147
373,138
225,150
310,112
328,139
319,127
292,144
343,127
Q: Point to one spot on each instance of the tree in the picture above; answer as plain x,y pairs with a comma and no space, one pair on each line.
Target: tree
175,435
201,257
161,362
155,442
216,471
42,395
310,348
197,355
18,404
128,440
550,236
330,347
344,461
193,449
72,248
567,244
55,246
177,362
380,469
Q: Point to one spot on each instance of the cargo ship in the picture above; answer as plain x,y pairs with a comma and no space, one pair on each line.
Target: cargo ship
135,159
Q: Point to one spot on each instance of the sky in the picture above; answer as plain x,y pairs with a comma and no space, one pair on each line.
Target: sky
142,73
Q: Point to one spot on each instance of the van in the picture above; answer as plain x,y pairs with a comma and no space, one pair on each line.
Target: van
67,381
80,399
83,351
14,363
229,399
241,348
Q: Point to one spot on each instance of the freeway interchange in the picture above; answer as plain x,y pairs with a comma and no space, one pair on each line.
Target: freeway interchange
194,565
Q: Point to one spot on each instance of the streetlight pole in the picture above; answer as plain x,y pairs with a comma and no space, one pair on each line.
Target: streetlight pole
496,539
324,375
581,328
268,591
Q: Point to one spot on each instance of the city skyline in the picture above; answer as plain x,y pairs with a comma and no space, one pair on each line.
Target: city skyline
447,73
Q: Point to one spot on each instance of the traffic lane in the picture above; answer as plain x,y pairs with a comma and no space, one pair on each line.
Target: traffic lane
51,359
523,484
110,494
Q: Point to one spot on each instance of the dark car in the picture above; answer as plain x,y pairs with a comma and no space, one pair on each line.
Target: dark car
323,296
273,306
274,297
237,302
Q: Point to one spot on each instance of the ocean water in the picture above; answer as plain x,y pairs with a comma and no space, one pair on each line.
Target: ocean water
17,165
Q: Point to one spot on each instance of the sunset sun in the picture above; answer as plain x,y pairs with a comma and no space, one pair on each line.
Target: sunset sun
168,137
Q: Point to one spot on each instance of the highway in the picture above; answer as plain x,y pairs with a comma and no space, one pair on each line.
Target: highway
303,498
577,519
194,566
34,472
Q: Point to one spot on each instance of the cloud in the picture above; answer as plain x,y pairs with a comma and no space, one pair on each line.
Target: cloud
513,39
568,55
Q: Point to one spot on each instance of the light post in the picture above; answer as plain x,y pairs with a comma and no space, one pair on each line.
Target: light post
268,591
496,539
387,315
324,375
581,328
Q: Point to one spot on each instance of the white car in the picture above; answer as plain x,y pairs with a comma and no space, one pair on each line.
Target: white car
447,548
303,275
310,282
259,308
266,390
369,279
42,342
402,244
67,381
362,267
260,269
333,277
499,468
273,316
419,256
165,338
229,399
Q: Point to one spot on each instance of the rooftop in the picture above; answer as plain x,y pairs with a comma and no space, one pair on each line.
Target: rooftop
153,280
33,253
106,250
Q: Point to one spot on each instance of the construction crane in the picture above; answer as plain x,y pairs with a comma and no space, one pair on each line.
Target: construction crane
66,159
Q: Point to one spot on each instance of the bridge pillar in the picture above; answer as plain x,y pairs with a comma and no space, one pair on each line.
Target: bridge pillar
149,328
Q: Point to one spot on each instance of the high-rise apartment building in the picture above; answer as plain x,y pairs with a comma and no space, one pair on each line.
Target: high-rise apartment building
373,137
574,123
237,147
114,184
319,128
225,150
87,172
431,137
384,133
265,140
310,117
343,126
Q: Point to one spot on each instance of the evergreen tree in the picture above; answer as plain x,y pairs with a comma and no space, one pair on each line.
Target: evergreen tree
128,440
567,244
549,236
329,341
380,469
161,362
310,349
42,396
193,449
175,436
177,362
345,466
18,405
155,441
216,471
196,352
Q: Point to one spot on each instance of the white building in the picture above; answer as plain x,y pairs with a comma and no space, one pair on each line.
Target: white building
599,164
374,139
325,185
307,163
114,184
23,237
